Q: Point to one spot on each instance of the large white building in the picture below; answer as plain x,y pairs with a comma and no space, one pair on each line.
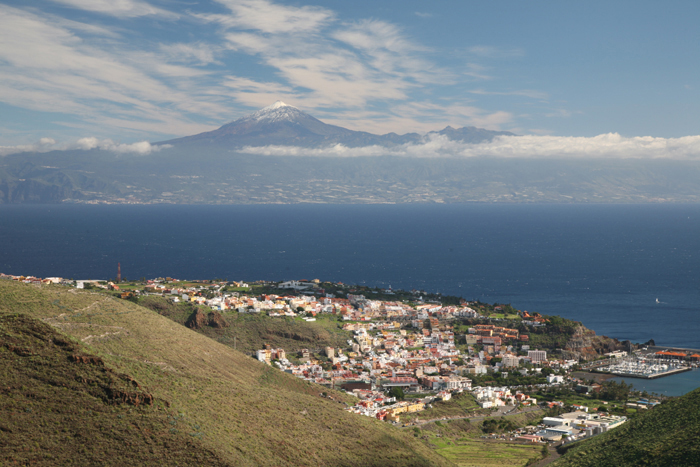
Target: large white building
537,356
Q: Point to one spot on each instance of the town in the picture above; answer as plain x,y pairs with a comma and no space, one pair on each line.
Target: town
409,352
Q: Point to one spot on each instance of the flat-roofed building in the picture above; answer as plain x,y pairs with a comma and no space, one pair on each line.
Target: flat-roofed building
537,356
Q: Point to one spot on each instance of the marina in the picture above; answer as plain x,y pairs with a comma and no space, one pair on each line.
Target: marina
651,363
636,367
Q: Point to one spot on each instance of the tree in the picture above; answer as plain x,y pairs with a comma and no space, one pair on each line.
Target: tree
545,451
397,392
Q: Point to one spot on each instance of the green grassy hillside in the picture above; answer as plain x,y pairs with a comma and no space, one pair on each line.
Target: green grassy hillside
239,411
251,330
59,405
668,435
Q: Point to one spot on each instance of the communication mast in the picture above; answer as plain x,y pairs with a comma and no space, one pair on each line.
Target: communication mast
119,272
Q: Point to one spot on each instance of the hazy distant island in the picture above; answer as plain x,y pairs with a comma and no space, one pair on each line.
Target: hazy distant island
283,155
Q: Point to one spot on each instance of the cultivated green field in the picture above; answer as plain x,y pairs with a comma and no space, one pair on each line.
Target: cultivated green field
461,441
472,453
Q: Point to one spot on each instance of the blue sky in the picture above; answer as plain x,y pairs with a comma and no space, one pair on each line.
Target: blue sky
132,70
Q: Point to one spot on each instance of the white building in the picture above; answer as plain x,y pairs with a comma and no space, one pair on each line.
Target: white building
537,356
555,379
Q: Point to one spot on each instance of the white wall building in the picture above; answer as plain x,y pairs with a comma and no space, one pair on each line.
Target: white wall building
537,356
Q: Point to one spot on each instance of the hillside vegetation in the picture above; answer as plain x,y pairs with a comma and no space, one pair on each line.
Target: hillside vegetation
236,410
61,406
249,330
668,435
459,441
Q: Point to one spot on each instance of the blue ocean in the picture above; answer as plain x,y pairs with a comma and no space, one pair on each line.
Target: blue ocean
626,271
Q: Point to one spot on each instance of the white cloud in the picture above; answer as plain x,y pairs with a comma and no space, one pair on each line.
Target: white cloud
329,76
110,81
119,8
350,67
271,18
142,147
388,50
86,144
476,71
606,146
373,35
47,67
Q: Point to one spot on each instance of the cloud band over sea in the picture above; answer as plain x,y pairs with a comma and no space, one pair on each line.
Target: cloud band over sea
605,146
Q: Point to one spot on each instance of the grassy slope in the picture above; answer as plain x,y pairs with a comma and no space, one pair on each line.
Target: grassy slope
668,435
251,329
58,410
246,412
460,405
459,441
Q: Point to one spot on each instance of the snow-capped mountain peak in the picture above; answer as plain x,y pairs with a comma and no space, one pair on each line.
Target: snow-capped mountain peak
276,112
276,105
282,124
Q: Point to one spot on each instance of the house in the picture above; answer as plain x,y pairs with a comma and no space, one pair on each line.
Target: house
294,285
529,438
555,379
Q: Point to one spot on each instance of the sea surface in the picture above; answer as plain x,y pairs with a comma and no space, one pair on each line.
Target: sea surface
626,271
674,385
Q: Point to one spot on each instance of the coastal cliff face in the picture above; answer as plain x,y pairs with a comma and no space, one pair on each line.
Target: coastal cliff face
586,345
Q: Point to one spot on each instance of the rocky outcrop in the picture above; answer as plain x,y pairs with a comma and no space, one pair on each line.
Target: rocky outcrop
131,398
216,320
21,351
197,320
586,345
89,359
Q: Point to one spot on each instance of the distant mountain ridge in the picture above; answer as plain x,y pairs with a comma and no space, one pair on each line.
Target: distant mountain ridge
282,124
215,168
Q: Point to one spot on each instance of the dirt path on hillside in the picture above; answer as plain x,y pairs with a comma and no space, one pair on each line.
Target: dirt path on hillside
553,455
